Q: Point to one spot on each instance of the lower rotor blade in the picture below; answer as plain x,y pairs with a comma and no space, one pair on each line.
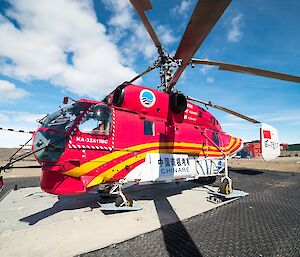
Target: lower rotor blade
224,110
143,73
249,70
150,68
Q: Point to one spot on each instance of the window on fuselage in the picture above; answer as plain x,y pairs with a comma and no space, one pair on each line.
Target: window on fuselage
148,128
215,138
97,120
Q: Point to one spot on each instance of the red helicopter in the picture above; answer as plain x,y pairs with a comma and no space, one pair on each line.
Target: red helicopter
138,135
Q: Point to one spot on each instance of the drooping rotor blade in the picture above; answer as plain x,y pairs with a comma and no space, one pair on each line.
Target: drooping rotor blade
224,109
141,6
248,70
150,68
204,17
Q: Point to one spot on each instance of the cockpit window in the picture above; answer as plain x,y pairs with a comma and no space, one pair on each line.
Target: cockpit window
97,120
64,118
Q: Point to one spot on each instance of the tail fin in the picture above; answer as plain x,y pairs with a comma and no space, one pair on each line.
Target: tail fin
270,147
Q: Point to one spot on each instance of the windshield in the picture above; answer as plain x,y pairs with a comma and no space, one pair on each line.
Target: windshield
97,120
49,145
64,118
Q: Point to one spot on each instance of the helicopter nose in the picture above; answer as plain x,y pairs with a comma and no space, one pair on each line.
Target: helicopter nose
49,145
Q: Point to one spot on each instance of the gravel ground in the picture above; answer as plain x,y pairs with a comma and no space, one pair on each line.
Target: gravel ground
285,164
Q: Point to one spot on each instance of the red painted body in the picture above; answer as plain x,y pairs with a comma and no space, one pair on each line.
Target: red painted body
88,155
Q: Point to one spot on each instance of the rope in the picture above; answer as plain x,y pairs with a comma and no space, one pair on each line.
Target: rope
15,130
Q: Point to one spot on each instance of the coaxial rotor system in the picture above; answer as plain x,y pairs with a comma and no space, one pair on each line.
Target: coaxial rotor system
204,17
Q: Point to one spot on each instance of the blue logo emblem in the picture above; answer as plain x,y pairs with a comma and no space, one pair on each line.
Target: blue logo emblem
147,98
220,165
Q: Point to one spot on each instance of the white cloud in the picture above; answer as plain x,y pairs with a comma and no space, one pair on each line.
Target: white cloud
20,120
210,80
181,8
13,139
17,121
235,23
291,117
50,29
129,33
165,33
29,118
205,68
3,117
10,93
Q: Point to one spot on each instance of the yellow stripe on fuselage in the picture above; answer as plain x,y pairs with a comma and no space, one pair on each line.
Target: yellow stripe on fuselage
95,163
108,174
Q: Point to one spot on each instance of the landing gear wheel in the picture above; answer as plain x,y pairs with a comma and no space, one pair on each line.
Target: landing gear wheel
120,202
224,187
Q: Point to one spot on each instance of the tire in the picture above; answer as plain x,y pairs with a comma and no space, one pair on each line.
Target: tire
119,201
206,180
224,187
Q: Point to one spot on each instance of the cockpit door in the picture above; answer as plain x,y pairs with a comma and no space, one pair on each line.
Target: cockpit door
95,130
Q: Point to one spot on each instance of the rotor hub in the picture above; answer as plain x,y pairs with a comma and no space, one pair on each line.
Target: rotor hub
167,66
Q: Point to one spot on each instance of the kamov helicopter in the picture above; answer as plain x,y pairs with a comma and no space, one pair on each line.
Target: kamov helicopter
138,135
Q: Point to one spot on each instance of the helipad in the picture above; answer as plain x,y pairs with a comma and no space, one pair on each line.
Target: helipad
33,223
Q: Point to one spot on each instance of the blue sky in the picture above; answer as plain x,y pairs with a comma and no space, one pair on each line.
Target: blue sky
83,49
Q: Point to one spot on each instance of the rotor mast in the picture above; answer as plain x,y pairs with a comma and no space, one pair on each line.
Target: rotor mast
203,19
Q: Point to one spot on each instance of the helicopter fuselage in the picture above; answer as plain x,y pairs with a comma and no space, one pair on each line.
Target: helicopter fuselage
138,138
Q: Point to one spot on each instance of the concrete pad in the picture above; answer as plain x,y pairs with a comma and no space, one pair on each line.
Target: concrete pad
34,223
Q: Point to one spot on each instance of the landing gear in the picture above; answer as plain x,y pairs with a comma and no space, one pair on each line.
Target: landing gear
123,200
226,183
225,186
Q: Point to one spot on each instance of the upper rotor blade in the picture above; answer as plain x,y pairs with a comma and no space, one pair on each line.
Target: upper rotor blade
224,110
141,6
204,17
249,70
